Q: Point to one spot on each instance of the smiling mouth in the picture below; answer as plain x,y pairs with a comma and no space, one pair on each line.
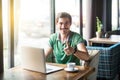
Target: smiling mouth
64,28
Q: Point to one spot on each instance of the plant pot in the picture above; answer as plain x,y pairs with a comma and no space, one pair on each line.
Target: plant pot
98,34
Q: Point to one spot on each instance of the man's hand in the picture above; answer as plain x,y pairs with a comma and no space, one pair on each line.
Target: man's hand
68,49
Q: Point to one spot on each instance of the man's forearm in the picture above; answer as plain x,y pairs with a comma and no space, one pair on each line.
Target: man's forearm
82,55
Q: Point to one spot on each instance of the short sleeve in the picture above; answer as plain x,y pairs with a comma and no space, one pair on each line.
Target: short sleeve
52,40
78,38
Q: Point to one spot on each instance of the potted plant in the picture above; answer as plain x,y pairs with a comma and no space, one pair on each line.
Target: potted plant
99,28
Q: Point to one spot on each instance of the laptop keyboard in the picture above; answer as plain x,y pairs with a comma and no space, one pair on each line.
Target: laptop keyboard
51,67
48,69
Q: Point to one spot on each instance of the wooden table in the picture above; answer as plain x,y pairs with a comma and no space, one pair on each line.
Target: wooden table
102,41
17,73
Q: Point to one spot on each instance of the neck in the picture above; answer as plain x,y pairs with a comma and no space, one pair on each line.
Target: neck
64,37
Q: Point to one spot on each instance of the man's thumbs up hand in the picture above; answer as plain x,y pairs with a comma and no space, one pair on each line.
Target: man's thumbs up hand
67,44
68,49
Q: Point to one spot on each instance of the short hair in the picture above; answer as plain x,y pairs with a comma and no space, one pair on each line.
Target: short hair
63,15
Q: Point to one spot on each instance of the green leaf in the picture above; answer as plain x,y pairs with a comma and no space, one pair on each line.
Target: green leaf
98,25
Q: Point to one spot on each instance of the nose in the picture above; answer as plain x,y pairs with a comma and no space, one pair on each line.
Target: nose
63,25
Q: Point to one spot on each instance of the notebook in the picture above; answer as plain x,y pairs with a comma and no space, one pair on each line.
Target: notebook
34,59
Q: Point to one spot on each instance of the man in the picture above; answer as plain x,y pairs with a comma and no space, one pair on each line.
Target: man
66,45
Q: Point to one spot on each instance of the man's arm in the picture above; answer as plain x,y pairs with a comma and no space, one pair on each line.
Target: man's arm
48,51
82,52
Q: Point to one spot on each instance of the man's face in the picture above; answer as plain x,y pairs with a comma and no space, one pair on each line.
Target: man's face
63,25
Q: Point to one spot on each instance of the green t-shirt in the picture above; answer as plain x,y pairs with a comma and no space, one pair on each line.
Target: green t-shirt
58,47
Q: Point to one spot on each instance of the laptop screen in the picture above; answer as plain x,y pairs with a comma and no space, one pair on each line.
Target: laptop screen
34,59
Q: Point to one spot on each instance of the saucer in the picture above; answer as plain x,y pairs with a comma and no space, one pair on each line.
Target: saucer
75,69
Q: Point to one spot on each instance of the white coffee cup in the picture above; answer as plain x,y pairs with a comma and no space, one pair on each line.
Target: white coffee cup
71,66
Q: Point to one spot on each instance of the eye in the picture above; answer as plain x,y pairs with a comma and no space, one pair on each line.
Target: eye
60,23
67,23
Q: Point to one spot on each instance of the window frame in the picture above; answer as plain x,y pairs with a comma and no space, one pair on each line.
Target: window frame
1,40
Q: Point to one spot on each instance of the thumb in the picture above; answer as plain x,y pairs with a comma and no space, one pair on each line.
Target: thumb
67,44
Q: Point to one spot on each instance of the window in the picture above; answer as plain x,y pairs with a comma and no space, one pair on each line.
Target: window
115,14
5,20
32,24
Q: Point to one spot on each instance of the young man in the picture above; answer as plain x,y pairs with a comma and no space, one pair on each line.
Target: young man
66,45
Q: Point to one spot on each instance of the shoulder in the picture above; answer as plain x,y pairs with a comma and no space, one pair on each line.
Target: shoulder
75,34
53,37
76,37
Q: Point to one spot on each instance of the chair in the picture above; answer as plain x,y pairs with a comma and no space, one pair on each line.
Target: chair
94,60
109,33
109,62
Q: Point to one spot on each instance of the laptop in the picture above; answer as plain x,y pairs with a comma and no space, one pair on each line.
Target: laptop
34,59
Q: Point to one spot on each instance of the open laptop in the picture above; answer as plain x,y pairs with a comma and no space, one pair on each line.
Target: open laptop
34,59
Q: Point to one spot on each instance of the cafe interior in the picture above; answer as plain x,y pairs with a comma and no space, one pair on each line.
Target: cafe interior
31,22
